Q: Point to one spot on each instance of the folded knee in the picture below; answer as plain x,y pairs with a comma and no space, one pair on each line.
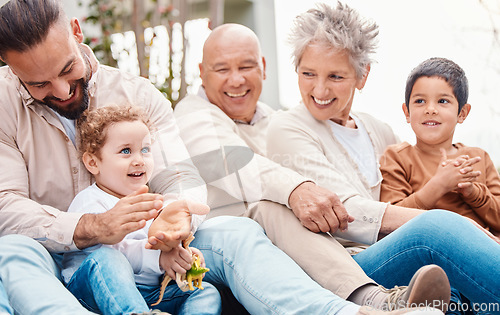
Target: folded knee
22,250
438,222
17,239
20,244
438,217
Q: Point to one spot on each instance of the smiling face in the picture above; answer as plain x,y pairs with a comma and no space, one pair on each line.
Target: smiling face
327,82
55,71
433,113
125,162
232,71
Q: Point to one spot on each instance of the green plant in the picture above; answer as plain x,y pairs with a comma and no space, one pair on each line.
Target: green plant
106,15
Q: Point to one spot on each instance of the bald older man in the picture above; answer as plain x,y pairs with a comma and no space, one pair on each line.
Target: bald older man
224,128
44,89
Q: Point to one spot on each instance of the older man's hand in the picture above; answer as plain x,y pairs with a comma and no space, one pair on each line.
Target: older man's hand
318,209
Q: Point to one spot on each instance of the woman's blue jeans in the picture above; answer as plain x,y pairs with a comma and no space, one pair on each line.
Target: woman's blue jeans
470,259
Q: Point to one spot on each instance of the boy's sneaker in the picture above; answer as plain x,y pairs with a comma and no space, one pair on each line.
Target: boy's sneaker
429,287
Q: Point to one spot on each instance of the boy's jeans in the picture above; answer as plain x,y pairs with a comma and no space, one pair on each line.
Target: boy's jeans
470,259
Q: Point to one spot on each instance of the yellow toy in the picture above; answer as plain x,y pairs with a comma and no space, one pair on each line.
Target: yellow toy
185,281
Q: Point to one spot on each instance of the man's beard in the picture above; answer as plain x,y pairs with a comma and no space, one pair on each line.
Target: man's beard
75,109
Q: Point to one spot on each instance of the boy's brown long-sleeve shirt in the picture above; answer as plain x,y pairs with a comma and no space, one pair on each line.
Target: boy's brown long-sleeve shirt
406,170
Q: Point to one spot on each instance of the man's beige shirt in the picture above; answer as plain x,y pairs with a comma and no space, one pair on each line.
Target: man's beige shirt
41,172
241,172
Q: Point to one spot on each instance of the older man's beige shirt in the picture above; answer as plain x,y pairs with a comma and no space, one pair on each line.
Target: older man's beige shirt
232,156
41,172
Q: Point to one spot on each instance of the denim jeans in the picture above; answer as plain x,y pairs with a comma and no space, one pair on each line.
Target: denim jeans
4,302
470,259
262,277
206,301
105,283
31,279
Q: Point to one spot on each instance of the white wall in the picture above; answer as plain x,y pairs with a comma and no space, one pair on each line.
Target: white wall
410,32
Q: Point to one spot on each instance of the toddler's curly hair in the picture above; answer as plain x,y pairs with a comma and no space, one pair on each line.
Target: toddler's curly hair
93,123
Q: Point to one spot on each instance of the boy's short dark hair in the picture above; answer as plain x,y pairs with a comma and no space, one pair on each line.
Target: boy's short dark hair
442,68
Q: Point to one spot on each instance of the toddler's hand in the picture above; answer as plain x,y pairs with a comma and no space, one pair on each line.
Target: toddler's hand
178,260
198,252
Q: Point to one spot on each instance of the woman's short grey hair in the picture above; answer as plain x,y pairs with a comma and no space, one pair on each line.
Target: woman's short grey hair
342,28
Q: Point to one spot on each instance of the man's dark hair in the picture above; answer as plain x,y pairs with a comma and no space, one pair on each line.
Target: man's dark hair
26,23
442,68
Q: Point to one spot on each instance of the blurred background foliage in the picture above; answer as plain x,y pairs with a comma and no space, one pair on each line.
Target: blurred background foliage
138,18
156,39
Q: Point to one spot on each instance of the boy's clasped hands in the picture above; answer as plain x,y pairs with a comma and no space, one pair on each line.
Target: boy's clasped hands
457,174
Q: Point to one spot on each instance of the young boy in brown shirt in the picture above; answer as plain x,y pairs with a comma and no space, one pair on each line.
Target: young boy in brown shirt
436,173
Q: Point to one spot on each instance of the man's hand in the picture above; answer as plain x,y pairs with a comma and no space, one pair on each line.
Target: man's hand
178,260
128,215
173,224
318,209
